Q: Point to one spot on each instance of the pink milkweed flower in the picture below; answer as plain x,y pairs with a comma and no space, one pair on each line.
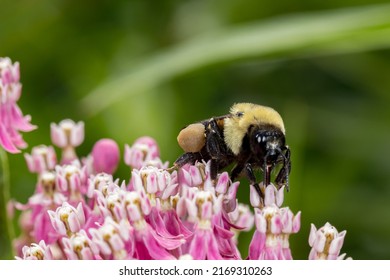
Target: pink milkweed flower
144,152
36,252
72,180
197,190
149,242
42,158
105,156
111,204
160,186
157,183
102,182
36,222
326,243
242,219
11,117
67,135
114,240
67,220
204,244
80,247
210,239
47,192
273,228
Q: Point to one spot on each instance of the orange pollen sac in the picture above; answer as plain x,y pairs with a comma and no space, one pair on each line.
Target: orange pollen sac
192,138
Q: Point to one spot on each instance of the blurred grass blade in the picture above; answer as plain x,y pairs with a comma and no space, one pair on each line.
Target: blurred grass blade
6,227
332,32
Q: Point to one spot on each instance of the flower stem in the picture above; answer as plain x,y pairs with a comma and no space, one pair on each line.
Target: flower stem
6,225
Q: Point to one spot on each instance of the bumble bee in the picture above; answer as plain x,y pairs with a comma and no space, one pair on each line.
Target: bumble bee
251,136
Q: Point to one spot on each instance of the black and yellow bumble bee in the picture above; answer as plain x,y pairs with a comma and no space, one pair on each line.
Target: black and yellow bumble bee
251,136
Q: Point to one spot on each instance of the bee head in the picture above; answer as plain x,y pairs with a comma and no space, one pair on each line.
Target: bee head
267,142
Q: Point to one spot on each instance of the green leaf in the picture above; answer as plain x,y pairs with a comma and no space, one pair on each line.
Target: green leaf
307,35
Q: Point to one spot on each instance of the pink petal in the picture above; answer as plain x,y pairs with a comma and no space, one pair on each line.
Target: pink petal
313,235
6,142
116,242
184,177
77,134
74,223
212,248
198,247
75,182
320,242
80,213
255,199
57,136
257,245
287,220
276,225
271,253
175,225
136,181
230,202
30,162
181,207
222,232
162,180
222,183
207,209
195,175
269,196
57,224
21,122
286,254
296,226
51,158
337,244
87,254
280,196
170,190
156,221
155,249
151,183
191,207
260,221
313,254
40,164
146,206
133,212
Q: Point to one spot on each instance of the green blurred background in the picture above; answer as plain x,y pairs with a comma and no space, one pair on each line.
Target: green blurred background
144,67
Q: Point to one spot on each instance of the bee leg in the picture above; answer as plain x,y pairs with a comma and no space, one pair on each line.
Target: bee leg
282,177
190,158
214,168
236,171
252,180
216,148
215,143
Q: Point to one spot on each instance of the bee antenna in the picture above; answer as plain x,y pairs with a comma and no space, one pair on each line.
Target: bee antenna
285,161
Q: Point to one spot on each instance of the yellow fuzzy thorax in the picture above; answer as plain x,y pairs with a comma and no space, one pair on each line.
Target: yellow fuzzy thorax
244,115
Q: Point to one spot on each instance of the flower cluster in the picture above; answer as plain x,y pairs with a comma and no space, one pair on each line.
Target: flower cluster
11,117
79,211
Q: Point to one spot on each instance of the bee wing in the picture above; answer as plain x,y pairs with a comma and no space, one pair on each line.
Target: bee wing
219,120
